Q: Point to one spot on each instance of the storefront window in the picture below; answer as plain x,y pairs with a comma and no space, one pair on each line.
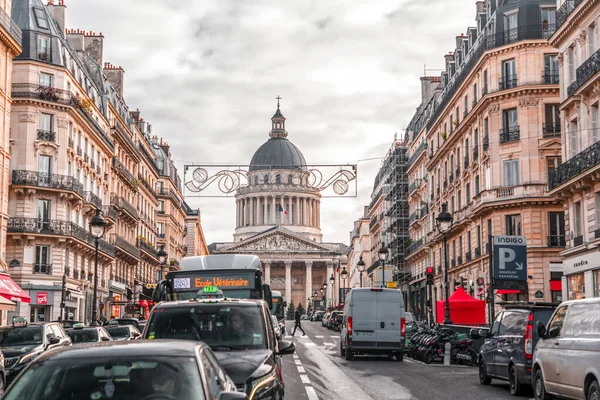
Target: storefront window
38,314
576,285
597,283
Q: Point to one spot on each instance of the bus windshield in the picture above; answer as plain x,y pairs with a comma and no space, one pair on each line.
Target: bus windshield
277,307
231,293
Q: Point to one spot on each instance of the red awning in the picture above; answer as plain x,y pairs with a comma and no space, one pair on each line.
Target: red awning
11,291
508,291
556,286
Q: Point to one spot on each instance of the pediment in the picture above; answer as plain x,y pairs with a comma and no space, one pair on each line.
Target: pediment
275,242
551,145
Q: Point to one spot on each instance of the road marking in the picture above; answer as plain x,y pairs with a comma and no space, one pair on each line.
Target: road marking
304,378
295,356
328,344
311,393
319,336
288,336
297,362
334,337
309,344
300,369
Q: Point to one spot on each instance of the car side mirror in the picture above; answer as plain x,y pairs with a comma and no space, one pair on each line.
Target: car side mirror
541,329
286,347
474,334
485,333
233,396
53,340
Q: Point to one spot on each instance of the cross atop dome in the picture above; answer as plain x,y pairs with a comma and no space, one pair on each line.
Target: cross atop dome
278,123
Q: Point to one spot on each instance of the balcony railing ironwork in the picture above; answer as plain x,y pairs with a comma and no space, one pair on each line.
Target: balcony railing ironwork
110,212
510,134
486,143
124,244
578,164
584,72
42,179
507,82
42,269
92,198
125,205
416,245
466,162
476,153
557,241
551,130
418,151
147,185
550,78
48,136
565,10
578,240
477,252
468,256
147,248
11,26
57,227
119,166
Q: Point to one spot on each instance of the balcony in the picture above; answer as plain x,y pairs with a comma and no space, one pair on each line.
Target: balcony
477,252
550,78
565,10
466,162
414,246
551,130
110,212
585,71
412,218
468,256
507,82
557,241
92,198
42,269
59,228
510,134
575,166
418,151
373,222
47,136
123,204
51,181
160,235
578,241
148,248
147,185
161,212
123,244
476,153
161,191
120,167
486,143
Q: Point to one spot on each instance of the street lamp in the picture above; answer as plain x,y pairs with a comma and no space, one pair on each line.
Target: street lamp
383,255
360,265
162,258
97,229
344,276
444,225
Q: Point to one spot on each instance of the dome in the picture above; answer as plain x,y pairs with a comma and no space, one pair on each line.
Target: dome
277,153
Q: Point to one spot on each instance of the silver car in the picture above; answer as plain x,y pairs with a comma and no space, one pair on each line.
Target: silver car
566,360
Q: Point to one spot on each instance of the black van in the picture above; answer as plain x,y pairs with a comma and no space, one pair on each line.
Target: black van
507,351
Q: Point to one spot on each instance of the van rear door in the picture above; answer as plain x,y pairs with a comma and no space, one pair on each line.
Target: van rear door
388,312
364,323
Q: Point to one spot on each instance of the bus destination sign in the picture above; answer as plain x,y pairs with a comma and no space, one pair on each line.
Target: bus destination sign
191,282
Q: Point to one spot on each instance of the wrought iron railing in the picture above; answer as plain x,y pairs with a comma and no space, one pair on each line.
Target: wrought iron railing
486,143
578,164
92,198
551,130
414,246
119,166
557,241
565,10
48,136
11,26
507,82
578,240
42,269
418,151
147,185
110,212
57,227
550,78
584,72
147,248
125,205
42,179
475,153
510,134
124,244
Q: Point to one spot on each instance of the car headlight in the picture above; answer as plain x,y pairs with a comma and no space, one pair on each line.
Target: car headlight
262,385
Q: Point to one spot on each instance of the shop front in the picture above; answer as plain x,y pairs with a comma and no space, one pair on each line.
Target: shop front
581,276
117,296
14,299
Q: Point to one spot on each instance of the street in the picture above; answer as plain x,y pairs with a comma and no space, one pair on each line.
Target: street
316,371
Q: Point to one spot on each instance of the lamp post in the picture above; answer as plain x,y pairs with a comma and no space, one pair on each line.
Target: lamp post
162,259
323,305
97,229
332,284
360,265
383,255
344,276
61,317
444,225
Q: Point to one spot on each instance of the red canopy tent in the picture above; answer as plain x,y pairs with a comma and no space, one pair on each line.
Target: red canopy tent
464,309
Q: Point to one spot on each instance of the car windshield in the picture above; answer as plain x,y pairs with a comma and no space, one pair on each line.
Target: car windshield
117,378
222,327
83,336
21,336
120,332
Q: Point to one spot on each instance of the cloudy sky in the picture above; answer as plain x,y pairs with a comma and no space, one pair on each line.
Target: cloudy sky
205,74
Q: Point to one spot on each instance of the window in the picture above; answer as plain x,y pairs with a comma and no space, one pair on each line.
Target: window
511,173
277,178
42,255
488,178
586,320
485,83
513,225
486,127
575,287
550,69
552,163
45,165
597,201
595,132
510,27
577,222
513,323
460,246
43,44
591,40
452,204
45,79
571,61
510,119
161,206
43,214
548,21
574,137
509,74
46,122
474,93
466,105
160,230
556,228
468,193
551,120
476,185
556,323
459,199
496,325
479,237
489,227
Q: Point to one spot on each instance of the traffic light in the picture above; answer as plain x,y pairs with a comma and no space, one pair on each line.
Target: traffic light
429,273
463,283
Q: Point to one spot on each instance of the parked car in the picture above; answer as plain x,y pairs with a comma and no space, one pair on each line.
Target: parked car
325,318
276,327
332,318
115,370
374,322
566,361
68,324
317,316
123,332
91,334
507,351
23,341
124,321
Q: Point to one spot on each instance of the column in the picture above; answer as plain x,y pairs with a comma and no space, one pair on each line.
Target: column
256,220
267,272
288,281
273,211
308,265
309,211
241,212
318,214
290,210
296,210
237,213
329,284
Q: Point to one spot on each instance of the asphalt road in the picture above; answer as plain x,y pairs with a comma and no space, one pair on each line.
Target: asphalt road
317,371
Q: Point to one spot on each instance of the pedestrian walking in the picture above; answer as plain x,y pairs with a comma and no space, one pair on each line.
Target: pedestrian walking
297,324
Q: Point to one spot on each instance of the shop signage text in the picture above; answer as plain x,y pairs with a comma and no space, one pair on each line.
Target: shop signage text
582,263
41,298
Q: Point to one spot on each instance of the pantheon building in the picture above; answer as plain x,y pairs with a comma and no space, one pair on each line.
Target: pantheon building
278,218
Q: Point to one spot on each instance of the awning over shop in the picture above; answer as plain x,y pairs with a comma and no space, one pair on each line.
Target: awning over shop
556,286
7,305
11,291
508,291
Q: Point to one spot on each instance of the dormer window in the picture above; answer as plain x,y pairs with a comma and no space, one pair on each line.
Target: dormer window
40,18
43,44
277,178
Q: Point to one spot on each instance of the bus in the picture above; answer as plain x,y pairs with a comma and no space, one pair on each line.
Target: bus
237,275
279,306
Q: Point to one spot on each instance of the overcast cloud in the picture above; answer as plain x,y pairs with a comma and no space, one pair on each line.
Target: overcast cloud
205,74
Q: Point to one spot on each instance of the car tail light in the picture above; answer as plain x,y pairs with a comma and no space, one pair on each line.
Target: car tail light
402,326
376,290
528,338
349,326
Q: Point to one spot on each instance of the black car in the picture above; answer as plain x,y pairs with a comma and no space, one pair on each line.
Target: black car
123,321
123,332
158,370
23,342
507,351
238,331
90,334
68,324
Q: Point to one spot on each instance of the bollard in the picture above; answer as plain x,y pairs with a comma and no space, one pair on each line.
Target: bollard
447,352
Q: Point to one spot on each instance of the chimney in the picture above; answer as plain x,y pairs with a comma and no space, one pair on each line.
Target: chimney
165,147
58,12
93,44
76,38
135,115
426,88
115,76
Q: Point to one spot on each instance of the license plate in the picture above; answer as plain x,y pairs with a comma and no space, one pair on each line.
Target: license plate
364,334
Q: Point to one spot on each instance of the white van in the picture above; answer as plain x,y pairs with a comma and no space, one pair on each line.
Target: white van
374,323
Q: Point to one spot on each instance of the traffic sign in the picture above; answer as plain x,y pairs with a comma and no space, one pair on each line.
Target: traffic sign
510,258
391,285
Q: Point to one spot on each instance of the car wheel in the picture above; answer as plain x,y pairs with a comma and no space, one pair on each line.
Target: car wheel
593,391
484,379
2,384
399,356
342,350
539,389
348,354
513,381
428,357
